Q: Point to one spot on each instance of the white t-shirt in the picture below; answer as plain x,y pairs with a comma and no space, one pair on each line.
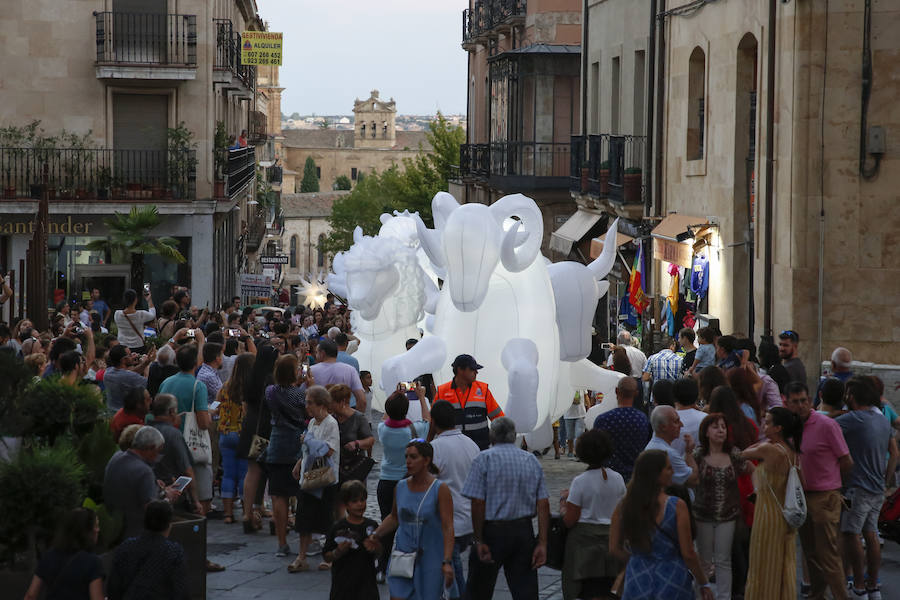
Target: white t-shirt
690,425
597,497
127,335
576,411
453,455
414,412
328,432
637,359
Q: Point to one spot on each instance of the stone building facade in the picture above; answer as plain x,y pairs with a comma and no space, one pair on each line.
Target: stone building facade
800,233
122,73
305,228
339,152
522,103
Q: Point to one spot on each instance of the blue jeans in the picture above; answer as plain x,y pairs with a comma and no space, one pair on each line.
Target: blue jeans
233,468
574,429
460,544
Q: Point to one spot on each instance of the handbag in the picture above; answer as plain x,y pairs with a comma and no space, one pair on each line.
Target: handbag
197,439
355,466
794,507
556,543
258,443
403,564
319,475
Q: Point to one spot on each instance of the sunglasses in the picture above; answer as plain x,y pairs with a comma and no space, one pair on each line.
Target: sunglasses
789,333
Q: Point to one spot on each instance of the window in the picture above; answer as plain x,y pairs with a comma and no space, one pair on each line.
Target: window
696,104
353,173
293,255
320,260
638,100
616,94
595,98
318,172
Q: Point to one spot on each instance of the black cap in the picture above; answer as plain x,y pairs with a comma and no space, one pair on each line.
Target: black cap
467,361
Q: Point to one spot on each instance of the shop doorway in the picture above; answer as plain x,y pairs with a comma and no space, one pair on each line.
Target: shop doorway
742,230
111,280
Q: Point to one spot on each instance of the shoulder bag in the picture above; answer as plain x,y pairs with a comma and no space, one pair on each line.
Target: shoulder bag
319,475
556,543
258,443
403,564
197,439
794,507
355,466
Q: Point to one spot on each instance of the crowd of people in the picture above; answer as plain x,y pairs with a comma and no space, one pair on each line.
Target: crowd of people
683,495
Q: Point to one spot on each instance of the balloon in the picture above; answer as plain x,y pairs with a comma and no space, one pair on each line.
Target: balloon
425,357
520,358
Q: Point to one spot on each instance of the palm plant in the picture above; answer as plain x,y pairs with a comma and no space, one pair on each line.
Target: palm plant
129,233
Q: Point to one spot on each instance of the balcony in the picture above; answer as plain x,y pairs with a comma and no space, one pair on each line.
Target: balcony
490,17
257,131
146,46
523,165
240,170
228,70
98,174
615,166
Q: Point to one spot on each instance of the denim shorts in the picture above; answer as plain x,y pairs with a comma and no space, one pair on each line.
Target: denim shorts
863,512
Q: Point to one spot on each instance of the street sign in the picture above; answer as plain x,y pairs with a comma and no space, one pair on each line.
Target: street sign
256,285
278,259
261,48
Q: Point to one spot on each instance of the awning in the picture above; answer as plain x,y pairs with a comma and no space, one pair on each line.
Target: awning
674,224
573,230
666,246
597,243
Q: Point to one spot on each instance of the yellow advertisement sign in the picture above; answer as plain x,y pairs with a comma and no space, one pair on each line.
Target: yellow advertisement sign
261,48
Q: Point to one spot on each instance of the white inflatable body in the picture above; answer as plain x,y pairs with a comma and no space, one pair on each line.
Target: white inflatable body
526,321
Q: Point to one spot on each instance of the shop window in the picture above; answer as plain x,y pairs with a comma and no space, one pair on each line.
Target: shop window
293,253
696,104
320,247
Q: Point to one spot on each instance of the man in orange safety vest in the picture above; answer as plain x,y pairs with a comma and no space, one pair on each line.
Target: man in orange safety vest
475,405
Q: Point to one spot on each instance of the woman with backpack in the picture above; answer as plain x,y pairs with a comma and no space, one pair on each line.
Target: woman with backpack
773,557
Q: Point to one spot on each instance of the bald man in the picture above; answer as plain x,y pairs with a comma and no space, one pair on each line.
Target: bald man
628,427
666,426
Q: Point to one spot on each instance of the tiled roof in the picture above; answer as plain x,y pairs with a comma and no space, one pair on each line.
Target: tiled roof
343,138
309,205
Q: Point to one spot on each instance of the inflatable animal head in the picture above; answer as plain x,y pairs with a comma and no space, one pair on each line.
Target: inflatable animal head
469,241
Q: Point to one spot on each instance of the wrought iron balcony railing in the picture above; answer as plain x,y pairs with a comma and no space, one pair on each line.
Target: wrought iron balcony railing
257,131
525,164
615,165
240,169
146,39
228,54
487,15
98,173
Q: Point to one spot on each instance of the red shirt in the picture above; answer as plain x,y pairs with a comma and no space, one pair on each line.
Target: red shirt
821,447
121,420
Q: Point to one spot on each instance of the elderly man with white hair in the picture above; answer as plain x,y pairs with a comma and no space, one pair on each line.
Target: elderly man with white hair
666,426
129,484
637,358
841,369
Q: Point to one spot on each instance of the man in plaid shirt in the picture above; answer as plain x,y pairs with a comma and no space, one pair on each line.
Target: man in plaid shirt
665,364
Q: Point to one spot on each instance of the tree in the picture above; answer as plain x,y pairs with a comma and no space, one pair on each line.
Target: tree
342,183
310,181
409,186
129,234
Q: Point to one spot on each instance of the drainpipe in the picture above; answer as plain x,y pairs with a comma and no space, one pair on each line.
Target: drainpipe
651,91
659,90
585,20
770,171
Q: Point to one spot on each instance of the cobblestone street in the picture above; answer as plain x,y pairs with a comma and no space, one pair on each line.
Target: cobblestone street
253,571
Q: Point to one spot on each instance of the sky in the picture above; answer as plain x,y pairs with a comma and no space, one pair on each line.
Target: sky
338,50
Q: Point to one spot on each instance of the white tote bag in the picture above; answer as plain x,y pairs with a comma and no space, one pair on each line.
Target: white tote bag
794,507
197,439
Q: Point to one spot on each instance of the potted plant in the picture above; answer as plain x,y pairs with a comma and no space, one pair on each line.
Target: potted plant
220,158
46,153
11,139
104,181
631,185
604,178
182,159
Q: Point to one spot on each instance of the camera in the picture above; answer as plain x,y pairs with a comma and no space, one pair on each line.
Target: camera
191,333
147,288
78,330
607,345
